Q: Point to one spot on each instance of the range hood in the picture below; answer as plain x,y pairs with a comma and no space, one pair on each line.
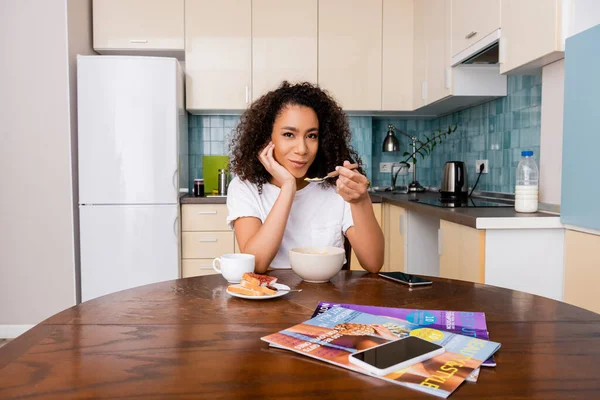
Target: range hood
470,84
485,51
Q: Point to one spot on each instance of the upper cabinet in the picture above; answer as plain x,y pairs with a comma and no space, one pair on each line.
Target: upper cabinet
218,51
350,49
139,26
431,59
397,68
284,43
531,35
472,20
437,34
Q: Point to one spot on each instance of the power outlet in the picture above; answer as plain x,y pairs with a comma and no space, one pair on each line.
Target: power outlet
385,166
478,164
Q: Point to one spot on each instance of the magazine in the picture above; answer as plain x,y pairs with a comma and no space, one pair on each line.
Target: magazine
460,322
336,333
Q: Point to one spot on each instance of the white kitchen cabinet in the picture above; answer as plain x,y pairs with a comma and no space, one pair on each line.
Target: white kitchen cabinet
218,53
149,27
462,252
350,49
205,236
531,35
472,20
284,43
397,68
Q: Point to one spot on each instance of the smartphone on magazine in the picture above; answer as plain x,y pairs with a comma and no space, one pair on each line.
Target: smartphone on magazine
407,279
394,356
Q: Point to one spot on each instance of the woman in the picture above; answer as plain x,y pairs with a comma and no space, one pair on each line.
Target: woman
291,133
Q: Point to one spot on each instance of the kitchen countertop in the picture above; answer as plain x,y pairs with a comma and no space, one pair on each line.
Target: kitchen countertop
475,217
479,218
191,199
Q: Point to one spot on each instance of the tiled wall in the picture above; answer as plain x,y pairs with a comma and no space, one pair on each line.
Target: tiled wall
496,131
208,135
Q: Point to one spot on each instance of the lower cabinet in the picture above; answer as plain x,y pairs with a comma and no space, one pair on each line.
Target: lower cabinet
462,252
204,236
354,263
394,231
197,267
582,270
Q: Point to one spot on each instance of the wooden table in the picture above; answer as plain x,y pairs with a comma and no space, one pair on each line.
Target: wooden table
188,338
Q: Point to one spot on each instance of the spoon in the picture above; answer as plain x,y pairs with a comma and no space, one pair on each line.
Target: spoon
332,174
289,290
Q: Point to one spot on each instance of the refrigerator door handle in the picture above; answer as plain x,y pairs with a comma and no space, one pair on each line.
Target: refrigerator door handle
175,226
175,181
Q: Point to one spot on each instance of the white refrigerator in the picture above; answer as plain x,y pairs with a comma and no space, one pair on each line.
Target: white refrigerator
132,141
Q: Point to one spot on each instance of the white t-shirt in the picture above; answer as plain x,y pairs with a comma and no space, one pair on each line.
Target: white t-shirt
319,216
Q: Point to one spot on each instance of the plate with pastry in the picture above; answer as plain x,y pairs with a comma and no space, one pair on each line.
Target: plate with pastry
258,287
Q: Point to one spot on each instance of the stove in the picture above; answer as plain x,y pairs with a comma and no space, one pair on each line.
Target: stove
462,203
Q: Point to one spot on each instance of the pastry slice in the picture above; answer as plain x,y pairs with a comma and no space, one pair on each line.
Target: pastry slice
260,280
243,290
262,289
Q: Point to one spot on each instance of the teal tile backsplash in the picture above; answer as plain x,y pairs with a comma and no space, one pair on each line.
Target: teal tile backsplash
496,131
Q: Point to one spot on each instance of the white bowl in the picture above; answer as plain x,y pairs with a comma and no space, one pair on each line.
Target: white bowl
317,264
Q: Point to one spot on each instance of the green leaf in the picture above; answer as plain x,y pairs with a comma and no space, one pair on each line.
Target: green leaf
405,154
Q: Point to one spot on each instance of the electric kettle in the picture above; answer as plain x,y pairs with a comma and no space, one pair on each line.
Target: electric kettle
454,180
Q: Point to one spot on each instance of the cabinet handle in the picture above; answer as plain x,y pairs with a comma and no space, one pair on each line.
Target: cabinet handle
247,94
440,236
208,240
206,212
138,41
205,267
470,35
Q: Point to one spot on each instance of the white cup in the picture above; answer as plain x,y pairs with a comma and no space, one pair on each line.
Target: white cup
233,266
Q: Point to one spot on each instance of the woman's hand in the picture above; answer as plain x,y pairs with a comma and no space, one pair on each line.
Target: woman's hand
351,185
277,171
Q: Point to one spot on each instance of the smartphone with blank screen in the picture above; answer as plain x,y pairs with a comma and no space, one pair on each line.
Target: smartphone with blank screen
407,279
394,356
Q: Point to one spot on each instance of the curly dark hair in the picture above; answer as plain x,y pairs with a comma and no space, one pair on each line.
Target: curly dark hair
256,125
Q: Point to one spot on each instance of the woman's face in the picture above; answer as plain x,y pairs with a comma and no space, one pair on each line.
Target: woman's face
296,139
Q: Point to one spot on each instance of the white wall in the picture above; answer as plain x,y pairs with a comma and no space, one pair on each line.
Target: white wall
37,242
79,31
579,15
551,131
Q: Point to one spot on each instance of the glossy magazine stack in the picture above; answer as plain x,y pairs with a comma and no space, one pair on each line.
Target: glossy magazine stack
335,331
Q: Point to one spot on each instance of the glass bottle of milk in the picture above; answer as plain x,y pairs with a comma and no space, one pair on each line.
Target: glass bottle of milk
526,190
